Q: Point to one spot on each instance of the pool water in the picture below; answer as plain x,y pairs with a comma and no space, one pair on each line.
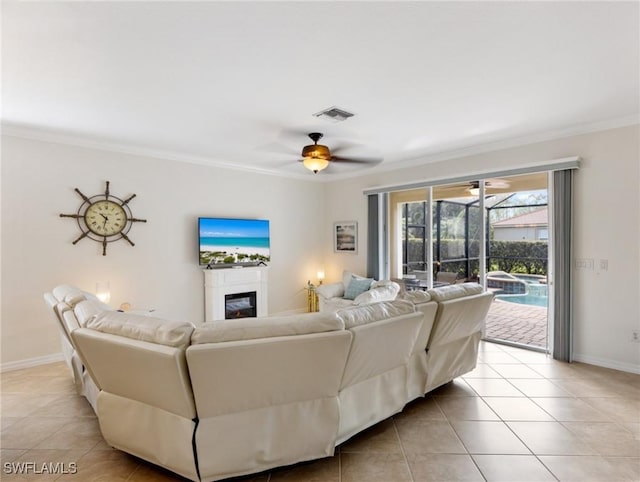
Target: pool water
528,299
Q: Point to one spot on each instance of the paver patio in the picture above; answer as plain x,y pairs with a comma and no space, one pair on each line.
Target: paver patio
517,323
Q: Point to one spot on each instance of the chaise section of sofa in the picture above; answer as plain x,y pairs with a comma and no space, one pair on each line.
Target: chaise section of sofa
71,309
266,391
145,406
417,364
374,385
452,349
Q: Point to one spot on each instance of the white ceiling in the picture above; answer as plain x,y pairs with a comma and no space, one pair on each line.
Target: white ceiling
236,83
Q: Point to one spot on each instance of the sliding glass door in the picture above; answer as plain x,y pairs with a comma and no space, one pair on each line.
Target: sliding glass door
514,242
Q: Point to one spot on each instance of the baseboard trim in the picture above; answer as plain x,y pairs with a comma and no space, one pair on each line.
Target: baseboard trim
31,362
606,363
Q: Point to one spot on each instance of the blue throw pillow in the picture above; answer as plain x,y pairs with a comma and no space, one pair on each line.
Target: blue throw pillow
356,287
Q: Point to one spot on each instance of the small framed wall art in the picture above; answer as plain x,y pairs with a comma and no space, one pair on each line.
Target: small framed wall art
345,237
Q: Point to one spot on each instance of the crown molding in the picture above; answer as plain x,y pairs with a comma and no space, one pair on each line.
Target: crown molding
47,135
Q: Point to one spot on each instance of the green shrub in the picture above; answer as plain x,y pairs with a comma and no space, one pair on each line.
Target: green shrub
528,257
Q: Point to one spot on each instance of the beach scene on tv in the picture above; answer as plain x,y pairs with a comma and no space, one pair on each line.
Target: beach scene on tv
233,241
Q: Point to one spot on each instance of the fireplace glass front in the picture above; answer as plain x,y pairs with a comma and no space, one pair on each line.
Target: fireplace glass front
240,305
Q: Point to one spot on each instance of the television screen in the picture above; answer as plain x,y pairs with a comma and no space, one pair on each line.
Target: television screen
233,241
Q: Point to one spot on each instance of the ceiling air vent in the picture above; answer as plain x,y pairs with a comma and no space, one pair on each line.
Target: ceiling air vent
334,114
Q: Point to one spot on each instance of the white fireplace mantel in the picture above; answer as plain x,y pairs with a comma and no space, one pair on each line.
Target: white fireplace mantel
228,281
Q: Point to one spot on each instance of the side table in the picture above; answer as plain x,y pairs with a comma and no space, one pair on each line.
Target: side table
312,298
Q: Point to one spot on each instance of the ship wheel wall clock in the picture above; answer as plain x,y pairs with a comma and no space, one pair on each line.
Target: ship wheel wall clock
104,218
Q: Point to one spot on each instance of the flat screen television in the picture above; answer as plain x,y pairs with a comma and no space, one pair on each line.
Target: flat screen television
232,242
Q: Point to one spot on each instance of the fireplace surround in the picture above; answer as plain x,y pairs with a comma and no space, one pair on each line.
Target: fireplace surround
237,287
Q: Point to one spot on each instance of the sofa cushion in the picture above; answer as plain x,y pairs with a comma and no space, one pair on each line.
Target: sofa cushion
416,296
356,287
266,327
331,290
380,291
61,291
87,309
361,315
72,295
451,292
144,328
347,276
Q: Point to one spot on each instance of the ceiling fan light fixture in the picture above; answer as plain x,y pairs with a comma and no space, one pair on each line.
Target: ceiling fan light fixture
315,164
474,190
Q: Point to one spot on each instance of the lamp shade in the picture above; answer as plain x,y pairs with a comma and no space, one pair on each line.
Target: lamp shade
103,292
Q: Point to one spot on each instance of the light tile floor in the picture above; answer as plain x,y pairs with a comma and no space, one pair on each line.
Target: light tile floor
519,416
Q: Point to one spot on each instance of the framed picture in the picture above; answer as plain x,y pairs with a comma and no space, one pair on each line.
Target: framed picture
345,237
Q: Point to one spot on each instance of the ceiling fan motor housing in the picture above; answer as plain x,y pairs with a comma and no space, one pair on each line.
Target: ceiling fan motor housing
316,151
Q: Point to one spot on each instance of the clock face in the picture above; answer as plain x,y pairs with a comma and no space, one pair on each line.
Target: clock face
105,218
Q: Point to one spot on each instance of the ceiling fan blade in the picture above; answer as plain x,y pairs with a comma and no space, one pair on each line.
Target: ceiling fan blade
498,183
360,160
453,187
276,147
337,147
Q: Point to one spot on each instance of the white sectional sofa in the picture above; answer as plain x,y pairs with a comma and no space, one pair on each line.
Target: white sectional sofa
235,397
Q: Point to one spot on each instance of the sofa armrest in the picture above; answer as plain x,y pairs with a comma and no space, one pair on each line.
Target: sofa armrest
331,290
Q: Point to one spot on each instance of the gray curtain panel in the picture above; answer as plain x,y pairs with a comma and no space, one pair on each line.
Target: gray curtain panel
562,265
373,248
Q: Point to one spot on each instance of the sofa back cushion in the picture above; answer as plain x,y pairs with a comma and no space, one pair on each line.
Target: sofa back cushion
459,317
139,358
379,291
330,290
451,292
384,335
362,315
86,310
265,327
416,296
347,276
71,295
143,328
253,375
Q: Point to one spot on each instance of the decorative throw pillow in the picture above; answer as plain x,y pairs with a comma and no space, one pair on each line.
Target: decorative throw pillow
356,287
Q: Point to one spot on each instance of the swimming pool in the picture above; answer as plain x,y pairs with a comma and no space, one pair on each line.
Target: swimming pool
528,299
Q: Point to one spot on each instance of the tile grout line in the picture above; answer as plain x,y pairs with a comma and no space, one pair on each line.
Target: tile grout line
516,435
462,441
404,454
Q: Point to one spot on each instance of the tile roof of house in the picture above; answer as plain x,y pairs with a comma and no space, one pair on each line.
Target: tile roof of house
535,218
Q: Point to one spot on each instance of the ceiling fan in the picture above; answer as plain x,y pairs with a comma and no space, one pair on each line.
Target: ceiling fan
317,157
474,186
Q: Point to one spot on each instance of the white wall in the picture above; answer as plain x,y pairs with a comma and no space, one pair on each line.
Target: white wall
161,271
607,307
